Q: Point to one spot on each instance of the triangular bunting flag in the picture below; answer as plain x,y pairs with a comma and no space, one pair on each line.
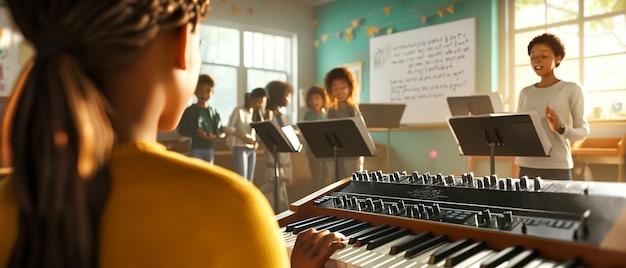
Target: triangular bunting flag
324,38
387,10
450,9
355,23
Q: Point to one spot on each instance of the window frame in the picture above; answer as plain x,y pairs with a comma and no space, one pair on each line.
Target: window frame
242,70
507,52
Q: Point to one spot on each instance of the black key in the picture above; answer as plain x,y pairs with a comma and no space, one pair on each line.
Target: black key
349,230
502,256
463,254
290,226
324,226
342,224
425,245
417,239
354,237
387,238
523,258
441,253
299,228
367,238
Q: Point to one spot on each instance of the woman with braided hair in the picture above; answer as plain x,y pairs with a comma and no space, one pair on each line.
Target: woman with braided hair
90,186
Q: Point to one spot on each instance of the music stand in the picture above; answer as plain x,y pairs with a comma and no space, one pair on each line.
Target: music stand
515,134
383,115
281,140
470,105
343,137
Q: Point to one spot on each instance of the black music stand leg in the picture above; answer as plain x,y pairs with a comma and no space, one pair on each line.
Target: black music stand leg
492,158
336,152
276,175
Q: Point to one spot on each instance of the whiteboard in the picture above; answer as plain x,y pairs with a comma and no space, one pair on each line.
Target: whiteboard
422,67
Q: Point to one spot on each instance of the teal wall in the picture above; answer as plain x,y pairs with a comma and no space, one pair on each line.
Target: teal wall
410,146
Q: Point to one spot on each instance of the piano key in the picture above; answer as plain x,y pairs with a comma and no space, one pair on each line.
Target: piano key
464,253
415,240
349,230
301,227
289,227
326,225
363,240
422,258
388,260
442,253
354,237
426,245
502,256
534,263
343,224
385,239
377,252
547,263
522,259
475,260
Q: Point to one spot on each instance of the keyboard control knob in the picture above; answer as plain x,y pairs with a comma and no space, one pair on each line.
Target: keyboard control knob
537,183
486,182
378,204
450,180
509,184
436,209
501,185
486,217
414,212
523,182
493,180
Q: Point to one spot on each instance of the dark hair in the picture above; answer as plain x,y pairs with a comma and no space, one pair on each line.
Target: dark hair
206,79
277,91
315,90
61,133
348,76
258,92
552,41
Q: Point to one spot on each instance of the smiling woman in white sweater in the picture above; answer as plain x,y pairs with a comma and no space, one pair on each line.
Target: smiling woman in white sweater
562,104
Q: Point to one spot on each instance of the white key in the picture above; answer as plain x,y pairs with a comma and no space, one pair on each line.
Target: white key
376,253
474,261
534,263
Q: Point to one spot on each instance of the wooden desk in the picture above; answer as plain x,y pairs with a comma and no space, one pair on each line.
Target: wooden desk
602,151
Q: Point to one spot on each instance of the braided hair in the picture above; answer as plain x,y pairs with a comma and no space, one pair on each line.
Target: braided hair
61,132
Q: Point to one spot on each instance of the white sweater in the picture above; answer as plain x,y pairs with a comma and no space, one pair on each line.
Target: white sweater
567,100
240,121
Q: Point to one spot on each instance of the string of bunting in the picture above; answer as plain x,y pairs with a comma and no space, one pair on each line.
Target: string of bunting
373,30
235,6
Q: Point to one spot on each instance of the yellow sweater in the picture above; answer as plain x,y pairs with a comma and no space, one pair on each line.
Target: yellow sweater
168,210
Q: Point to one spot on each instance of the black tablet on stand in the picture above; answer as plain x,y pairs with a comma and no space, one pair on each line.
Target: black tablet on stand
515,134
344,137
383,115
470,105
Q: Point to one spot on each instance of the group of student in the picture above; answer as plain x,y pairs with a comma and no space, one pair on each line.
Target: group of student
92,187
202,123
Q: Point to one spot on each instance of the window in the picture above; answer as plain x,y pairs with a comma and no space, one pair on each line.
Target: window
594,34
240,61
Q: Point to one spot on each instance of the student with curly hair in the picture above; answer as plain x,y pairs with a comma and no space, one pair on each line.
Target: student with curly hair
343,93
